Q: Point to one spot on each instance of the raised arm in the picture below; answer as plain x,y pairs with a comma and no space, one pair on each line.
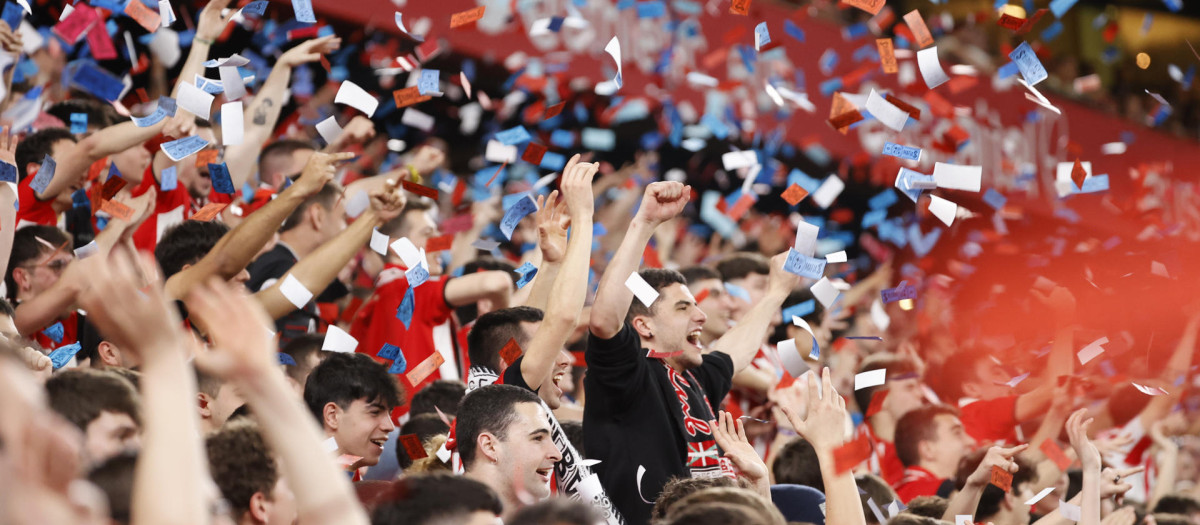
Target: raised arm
823,427
552,223
8,194
1089,458
967,499
10,41
570,287
424,162
1177,367
321,266
208,29
238,247
743,340
73,166
1062,355
244,354
661,202
168,480
263,113
494,285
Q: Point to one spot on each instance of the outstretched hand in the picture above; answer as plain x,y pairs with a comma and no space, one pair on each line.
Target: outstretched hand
145,323
1077,428
212,22
242,342
730,435
389,201
577,187
552,224
824,424
8,146
309,51
319,170
996,456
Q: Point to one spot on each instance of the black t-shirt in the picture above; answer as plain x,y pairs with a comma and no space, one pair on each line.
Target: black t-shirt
273,265
513,376
634,418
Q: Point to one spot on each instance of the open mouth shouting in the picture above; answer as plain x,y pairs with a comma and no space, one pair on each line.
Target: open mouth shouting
693,338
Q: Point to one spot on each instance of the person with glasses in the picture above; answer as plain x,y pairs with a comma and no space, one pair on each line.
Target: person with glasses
40,256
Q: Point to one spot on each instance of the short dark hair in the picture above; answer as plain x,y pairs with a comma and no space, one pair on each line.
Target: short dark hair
557,511
6,308
443,394
26,248
1165,518
398,227
992,496
35,146
873,488
917,426
326,198
494,329
186,243
928,506
797,464
896,366
573,429
657,278
424,426
96,112
80,395
342,378
435,499
241,464
1177,503
740,264
678,488
282,147
114,477
300,349
694,274
490,409
470,311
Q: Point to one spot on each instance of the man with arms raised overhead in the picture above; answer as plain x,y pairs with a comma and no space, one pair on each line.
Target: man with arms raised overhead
649,386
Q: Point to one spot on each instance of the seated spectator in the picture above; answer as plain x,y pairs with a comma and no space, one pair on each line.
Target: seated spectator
930,441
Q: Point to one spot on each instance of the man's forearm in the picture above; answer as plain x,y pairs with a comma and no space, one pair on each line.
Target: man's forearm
743,340
194,65
613,297
260,118
321,266
963,503
842,504
562,312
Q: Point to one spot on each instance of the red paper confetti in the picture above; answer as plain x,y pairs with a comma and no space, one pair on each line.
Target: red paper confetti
424,191
439,244
1001,478
412,446
851,454
510,352
209,211
534,153
794,194
466,17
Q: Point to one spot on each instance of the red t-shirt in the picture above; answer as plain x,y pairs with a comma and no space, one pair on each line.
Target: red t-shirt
31,209
883,460
170,208
376,322
918,482
990,420
70,326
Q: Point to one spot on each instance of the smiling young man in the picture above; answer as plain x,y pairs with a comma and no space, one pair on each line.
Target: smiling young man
650,387
353,396
503,437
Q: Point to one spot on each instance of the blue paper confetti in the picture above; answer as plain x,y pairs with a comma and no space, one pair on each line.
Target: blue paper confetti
599,139
903,291
1031,68
1052,32
799,310
284,359
417,275
515,213
44,175
994,199
762,37
8,172
141,122
884,200
256,8
651,9
79,123
804,266
1059,7
737,291
514,136
97,81
304,11
428,83
389,352
405,311
399,365
1007,70
54,332
63,354
13,14
169,179
184,147
903,152
793,30
526,271
221,182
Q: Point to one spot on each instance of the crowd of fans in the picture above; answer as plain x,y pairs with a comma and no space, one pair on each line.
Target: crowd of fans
277,329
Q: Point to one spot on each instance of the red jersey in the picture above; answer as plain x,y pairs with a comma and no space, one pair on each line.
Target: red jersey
32,210
919,482
883,460
70,325
171,207
990,420
376,322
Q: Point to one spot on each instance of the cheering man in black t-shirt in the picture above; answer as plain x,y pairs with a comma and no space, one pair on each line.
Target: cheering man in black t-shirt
651,389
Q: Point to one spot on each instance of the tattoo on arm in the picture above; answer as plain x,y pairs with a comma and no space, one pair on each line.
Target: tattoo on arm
260,115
